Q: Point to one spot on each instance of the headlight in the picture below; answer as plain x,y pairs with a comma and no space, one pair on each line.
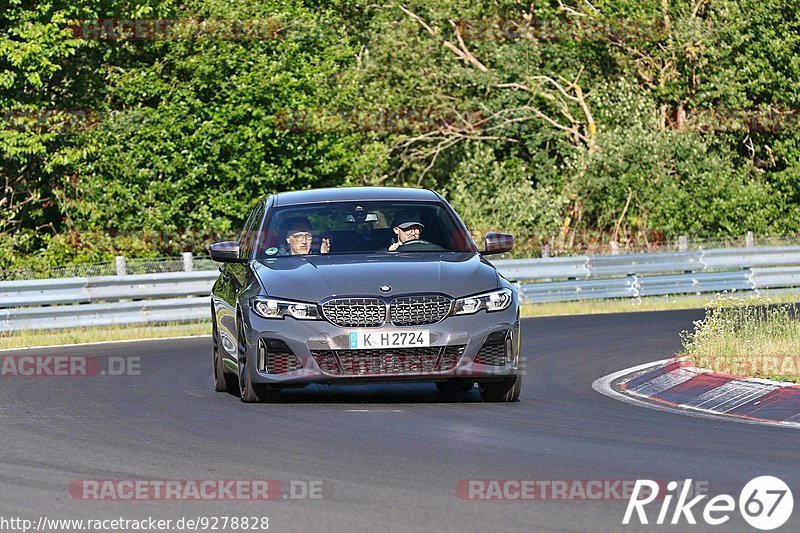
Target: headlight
271,308
491,301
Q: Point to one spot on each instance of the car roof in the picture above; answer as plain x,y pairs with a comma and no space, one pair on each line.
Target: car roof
353,194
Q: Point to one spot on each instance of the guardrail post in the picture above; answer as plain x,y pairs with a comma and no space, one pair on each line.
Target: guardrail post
682,244
749,241
545,250
187,262
122,268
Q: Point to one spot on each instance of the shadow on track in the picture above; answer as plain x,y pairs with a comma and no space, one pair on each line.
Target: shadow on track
400,393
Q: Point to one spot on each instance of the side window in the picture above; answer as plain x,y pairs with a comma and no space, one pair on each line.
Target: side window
243,234
244,249
253,229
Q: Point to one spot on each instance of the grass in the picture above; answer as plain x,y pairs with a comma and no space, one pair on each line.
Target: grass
751,337
24,339
630,305
591,307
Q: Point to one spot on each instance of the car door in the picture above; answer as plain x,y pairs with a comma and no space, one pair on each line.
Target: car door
232,278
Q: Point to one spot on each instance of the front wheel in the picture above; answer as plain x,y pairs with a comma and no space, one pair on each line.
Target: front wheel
506,390
251,392
223,382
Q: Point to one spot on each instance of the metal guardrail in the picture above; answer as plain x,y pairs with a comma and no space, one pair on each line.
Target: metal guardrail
105,300
136,312
648,263
183,296
638,275
106,288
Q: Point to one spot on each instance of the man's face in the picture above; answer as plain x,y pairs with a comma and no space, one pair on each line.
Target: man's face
408,234
299,242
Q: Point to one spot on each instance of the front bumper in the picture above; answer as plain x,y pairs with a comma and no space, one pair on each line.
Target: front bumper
455,343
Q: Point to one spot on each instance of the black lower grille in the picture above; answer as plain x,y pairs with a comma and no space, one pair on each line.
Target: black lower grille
277,358
450,358
327,362
492,355
388,361
493,351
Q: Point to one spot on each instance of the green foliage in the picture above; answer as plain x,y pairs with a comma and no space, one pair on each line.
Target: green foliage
501,196
542,134
196,139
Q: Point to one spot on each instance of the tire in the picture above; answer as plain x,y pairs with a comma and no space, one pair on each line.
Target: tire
222,382
455,385
506,390
248,391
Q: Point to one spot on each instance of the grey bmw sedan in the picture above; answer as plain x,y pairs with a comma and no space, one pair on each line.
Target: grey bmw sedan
362,284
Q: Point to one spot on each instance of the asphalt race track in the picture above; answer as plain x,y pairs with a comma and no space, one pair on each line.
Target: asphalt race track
389,458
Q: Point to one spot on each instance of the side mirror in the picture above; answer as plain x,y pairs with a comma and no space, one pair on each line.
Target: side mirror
497,243
225,252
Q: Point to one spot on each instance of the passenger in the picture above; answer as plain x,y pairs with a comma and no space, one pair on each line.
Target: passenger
298,236
407,226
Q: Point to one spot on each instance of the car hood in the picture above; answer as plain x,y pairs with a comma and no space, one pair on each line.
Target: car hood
315,277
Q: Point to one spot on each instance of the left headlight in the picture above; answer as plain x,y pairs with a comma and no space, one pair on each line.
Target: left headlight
272,308
491,301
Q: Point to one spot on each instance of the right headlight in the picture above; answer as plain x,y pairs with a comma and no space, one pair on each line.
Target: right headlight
491,301
272,308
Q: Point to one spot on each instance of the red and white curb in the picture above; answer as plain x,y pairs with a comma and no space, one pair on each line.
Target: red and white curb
678,386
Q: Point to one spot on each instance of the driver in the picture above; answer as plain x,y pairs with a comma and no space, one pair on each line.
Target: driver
407,226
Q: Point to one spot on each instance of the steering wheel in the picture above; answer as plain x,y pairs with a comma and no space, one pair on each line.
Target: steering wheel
421,243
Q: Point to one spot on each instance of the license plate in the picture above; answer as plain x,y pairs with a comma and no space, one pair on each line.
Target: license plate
365,340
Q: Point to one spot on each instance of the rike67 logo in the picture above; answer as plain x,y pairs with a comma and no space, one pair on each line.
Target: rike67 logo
765,503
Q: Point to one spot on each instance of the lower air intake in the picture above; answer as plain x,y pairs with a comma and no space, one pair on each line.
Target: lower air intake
493,351
393,361
277,358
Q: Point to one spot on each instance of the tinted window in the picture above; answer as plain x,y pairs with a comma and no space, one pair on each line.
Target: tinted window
363,227
248,221
250,232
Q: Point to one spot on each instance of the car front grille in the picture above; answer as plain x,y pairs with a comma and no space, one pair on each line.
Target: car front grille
355,312
419,310
392,361
416,310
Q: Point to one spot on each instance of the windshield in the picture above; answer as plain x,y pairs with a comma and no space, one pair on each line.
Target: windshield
362,227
